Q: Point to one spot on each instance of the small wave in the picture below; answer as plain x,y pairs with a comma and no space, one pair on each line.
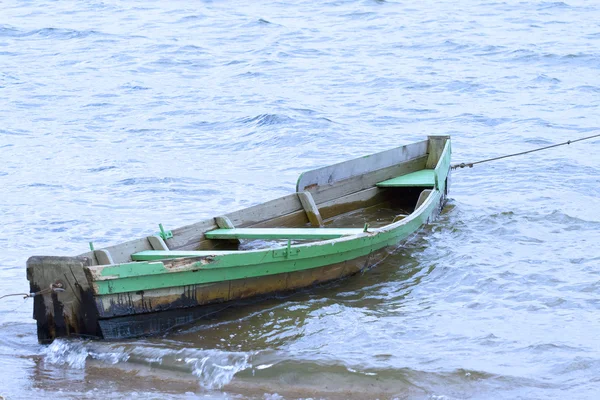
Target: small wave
250,74
361,15
44,185
588,88
267,119
75,353
166,180
575,365
482,119
100,169
190,48
553,5
98,105
491,50
212,368
218,368
191,18
455,46
52,33
131,86
579,59
546,78
462,86
14,133
8,31
546,347
563,219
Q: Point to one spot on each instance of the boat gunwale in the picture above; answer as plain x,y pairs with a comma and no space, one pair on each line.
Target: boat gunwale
199,262
216,255
370,232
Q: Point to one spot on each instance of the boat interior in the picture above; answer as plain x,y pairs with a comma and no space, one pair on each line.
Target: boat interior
330,202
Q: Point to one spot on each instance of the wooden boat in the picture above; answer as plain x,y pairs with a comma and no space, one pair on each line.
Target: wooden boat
152,284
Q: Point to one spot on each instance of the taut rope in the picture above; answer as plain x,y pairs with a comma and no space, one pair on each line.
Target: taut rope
470,165
52,288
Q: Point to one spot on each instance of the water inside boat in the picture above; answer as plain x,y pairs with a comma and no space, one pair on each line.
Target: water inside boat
388,206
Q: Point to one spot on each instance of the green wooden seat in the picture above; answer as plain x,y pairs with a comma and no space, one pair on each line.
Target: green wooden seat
248,233
282,233
151,255
422,178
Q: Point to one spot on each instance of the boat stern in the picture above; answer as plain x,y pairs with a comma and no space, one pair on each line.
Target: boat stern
63,304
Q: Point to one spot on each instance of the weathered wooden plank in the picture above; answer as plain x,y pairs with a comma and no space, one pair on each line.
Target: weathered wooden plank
360,166
364,198
435,147
298,218
157,243
422,178
265,211
326,193
282,233
113,305
224,222
129,310
91,256
312,212
64,305
442,168
189,237
103,257
122,252
423,197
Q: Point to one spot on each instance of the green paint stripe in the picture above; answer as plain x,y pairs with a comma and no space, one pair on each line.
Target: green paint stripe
443,166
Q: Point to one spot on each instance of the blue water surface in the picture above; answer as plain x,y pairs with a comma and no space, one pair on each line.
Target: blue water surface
117,116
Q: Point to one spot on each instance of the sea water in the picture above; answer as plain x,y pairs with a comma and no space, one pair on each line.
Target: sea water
117,116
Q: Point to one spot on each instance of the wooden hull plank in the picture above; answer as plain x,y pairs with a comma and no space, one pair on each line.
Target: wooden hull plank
150,314
360,166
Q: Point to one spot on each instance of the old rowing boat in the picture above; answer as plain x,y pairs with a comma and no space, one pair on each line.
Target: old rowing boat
318,234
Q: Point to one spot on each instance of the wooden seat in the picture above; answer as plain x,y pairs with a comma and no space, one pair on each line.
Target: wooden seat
151,255
422,178
282,233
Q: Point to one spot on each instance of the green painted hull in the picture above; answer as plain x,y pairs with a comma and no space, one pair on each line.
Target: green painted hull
234,265
170,287
235,278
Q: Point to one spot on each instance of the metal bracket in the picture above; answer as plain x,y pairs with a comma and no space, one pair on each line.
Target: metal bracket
289,251
164,234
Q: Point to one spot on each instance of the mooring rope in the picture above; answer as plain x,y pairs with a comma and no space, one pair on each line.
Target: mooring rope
470,165
27,295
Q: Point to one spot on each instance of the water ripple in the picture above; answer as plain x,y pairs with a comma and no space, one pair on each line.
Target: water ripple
118,116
